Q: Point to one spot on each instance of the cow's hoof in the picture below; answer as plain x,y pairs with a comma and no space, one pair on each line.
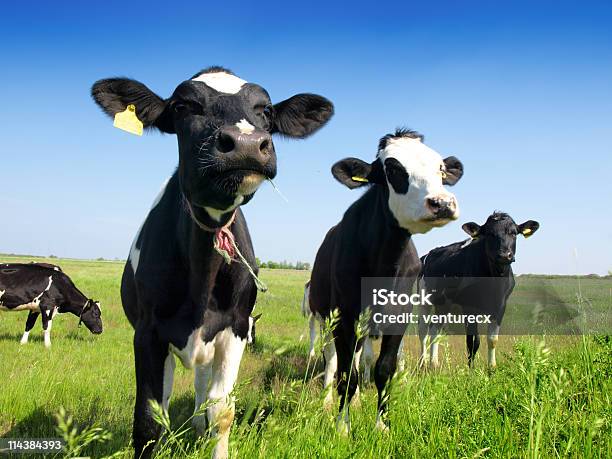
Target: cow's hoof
328,402
342,427
381,426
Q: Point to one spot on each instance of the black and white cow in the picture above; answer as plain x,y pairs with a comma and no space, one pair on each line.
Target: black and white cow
373,239
43,289
178,292
475,275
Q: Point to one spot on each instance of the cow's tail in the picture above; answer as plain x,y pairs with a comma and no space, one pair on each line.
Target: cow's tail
306,312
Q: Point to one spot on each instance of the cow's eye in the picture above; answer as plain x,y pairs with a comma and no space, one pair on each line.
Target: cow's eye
182,109
267,111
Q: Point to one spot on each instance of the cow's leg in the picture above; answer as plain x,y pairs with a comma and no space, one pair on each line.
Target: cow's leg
228,353
400,356
384,371
367,360
312,325
357,359
201,382
434,341
492,336
424,335
331,368
32,317
47,322
346,340
152,370
472,341
169,366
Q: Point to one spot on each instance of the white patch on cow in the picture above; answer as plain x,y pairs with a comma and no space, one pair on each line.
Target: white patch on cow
200,383
331,366
492,337
250,332
222,82
425,181
135,251
312,325
169,366
466,243
216,214
228,354
434,336
56,268
245,127
47,334
24,338
196,351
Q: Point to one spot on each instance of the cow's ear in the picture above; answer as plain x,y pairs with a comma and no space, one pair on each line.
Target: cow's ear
113,95
453,171
257,317
353,172
473,229
301,115
528,228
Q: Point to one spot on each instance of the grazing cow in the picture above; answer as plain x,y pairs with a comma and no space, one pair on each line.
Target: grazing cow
43,289
373,239
475,275
190,283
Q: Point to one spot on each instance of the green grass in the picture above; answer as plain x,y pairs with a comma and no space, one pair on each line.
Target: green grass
542,401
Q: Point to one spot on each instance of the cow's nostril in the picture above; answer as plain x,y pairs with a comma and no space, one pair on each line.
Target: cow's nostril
225,143
264,147
434,204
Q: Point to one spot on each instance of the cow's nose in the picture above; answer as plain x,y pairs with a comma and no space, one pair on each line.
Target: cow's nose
441,206
254,143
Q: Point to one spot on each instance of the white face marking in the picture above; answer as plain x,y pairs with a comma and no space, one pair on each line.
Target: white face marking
222,82
425,181
135,251
245,127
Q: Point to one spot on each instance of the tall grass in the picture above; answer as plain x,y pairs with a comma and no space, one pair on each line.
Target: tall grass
549,397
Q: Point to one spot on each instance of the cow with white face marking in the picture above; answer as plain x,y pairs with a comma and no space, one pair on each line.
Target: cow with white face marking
373,239
187,287
43,289
475,275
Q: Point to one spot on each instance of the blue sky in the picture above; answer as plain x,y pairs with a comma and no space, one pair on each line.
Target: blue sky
520,92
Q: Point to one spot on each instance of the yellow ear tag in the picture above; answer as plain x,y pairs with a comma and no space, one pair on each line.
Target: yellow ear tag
527,232
359,179
128,121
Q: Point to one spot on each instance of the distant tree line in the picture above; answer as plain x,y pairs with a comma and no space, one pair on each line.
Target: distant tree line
299,265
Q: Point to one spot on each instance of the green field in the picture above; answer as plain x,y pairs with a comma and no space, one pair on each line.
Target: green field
549,397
